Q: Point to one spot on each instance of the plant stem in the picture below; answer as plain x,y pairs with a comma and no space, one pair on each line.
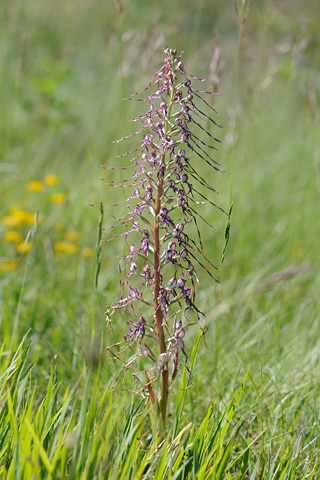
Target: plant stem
158,312
164,391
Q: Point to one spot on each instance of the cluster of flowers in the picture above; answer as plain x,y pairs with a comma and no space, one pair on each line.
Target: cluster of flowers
37,186
18,220
159,286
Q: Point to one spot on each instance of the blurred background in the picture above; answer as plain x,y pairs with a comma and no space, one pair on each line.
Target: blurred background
64,65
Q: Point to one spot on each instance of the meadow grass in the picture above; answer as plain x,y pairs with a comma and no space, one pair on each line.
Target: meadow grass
253,409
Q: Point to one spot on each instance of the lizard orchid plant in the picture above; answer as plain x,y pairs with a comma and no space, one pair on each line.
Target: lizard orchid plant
159,270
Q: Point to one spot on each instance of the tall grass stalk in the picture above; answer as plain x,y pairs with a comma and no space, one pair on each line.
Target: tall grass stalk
29,238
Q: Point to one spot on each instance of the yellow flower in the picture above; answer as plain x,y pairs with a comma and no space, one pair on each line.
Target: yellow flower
10,221
51,180
24,217
58,198
23,248
65,247
35,186
12,236
87,252
8,266
72,236
17,218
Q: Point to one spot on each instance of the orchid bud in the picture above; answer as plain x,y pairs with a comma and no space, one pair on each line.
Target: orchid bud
187,292
164,212
184,178
172,282
181,282
180,333
183,253
133,268
180,227
172,246
133,248
168,254
163,358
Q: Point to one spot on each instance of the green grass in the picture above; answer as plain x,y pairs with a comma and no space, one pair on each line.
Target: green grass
253,409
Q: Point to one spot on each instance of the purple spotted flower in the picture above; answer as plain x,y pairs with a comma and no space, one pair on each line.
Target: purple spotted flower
162,224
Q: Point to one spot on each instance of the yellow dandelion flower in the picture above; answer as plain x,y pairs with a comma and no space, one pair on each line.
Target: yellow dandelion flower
72,236
17,218
65,247
24,217
12,236
51,180
35,186
11,221
87,252
8,266
23,248
58,198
